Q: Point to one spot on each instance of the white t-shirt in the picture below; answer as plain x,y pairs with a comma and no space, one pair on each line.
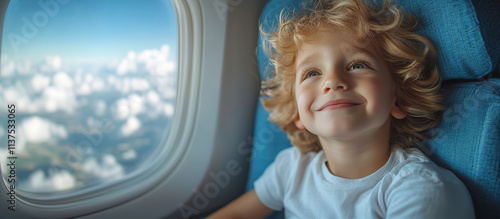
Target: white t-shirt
409,185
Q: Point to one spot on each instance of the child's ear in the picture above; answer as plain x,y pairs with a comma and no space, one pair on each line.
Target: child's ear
298,122
396,112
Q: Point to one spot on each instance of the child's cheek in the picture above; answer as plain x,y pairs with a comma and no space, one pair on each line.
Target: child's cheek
380,94
303,103
300,98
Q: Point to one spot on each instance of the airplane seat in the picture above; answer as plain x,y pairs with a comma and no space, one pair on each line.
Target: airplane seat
467,142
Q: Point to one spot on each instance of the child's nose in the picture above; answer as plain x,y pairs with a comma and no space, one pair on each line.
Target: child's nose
334,83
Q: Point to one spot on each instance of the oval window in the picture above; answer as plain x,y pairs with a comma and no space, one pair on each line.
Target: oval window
94,86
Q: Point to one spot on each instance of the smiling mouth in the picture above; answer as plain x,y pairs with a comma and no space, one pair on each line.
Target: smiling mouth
338,104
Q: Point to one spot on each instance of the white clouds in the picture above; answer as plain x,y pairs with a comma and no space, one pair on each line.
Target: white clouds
39,82
89,78
55,181
131,55
89,84
42,93
169,110
122,109
11,67
18,94
111,79
140,90
84,89
127,65
57,98
8,67
59,180
138,84
152,61
51,100
61,95
14,93
132,105
153,97
108,169
24,67
63,81
131,126
129,84
123,86
63,180
165,68
36,129
54,62
51,64
129,155
154,58
136,104
150,104
49,90
97,85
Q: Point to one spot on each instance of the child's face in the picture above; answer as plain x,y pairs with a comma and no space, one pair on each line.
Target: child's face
343,89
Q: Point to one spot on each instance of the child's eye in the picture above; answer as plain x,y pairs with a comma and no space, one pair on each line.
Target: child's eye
312,74
357,65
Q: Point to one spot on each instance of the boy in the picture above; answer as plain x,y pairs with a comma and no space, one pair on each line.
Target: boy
354,89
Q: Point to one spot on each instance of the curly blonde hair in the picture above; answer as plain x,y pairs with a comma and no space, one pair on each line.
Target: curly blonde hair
411,59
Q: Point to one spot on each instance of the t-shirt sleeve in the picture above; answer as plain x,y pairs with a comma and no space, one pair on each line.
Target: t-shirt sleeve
271,186
428,193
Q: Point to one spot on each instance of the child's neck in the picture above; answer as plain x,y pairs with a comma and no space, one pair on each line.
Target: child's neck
358,157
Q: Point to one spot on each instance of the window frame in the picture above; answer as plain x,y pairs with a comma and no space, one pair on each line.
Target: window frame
106,195
223,94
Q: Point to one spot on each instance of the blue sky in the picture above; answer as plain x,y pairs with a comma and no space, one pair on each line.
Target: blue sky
91,28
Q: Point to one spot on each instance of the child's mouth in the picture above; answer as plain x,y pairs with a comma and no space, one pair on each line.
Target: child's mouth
337,104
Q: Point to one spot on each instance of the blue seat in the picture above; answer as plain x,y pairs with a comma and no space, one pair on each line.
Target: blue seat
467,142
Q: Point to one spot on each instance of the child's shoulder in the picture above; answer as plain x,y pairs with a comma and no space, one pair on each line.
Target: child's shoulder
416,184
416,174
411,163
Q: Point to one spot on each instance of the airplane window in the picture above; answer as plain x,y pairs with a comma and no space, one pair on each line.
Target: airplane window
91,89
